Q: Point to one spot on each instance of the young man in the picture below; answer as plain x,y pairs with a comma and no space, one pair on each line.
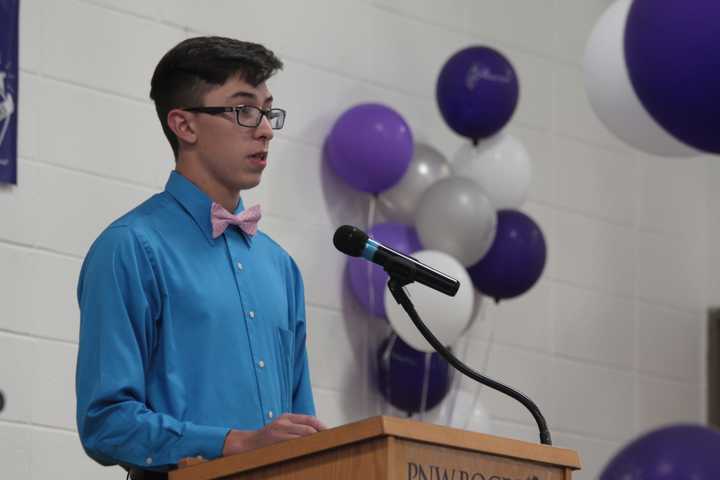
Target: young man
192,333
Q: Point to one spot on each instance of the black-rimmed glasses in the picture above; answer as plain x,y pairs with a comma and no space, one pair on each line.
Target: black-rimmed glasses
247,115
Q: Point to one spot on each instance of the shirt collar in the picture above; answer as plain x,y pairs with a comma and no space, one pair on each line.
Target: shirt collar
195,202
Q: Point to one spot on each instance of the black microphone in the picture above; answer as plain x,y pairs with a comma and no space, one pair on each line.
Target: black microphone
356,243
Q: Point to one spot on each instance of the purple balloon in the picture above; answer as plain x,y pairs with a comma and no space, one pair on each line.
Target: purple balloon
370,147
477,92
672,51
397,236
402,373
515,260
678,452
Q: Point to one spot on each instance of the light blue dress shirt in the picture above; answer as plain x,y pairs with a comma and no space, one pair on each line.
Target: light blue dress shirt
183,336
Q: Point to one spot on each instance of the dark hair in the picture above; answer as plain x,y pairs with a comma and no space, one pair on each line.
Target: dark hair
194,66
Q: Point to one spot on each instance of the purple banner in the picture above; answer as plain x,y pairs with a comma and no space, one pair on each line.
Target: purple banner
9,21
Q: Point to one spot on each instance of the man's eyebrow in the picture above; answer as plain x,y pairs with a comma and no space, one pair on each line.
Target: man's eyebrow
248,95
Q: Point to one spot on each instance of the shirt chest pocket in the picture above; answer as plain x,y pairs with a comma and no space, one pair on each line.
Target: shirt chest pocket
266,295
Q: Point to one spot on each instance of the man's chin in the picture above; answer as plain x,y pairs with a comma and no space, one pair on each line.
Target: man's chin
251,181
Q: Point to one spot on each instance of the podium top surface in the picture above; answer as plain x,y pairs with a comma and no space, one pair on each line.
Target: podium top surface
381,426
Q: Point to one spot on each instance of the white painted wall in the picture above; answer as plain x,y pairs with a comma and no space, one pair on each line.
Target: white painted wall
610,342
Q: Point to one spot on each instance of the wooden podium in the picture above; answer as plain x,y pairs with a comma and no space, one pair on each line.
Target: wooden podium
382,448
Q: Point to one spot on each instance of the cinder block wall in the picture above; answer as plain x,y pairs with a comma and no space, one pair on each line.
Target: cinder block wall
610,343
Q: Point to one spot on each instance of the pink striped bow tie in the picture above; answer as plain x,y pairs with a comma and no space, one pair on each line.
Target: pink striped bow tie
246,220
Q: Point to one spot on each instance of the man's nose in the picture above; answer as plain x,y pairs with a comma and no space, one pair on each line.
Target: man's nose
264,130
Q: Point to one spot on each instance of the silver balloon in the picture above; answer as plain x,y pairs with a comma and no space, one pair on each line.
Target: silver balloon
400,202
454,216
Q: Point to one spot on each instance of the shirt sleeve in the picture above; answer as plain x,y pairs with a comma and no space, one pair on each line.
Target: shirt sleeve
302,400
120,303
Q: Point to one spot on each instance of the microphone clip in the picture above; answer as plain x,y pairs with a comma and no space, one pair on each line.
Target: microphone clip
401,271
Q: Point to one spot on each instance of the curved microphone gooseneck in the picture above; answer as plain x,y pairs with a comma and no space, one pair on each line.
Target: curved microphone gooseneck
396,288
403,271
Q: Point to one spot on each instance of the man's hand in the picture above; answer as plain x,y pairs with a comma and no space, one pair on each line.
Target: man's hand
286,427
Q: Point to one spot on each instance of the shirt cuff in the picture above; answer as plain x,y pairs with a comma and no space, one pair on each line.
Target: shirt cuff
207,441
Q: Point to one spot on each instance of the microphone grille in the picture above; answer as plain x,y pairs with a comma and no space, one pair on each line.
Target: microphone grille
350,240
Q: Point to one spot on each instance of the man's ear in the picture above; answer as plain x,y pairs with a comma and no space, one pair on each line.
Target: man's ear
182,125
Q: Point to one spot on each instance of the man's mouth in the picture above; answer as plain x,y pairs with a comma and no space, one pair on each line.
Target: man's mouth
259,156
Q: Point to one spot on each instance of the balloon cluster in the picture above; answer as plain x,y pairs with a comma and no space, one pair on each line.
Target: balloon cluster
459,217
652,74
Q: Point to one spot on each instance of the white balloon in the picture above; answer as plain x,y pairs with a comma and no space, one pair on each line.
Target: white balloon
478,300
454,216
400,202
611,93
500,165
445,316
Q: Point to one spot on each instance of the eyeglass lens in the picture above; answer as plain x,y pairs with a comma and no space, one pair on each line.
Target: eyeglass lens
251,117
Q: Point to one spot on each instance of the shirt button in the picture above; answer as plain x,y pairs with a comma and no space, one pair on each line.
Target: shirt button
270,414
261,364
239,265
251,314
148,461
